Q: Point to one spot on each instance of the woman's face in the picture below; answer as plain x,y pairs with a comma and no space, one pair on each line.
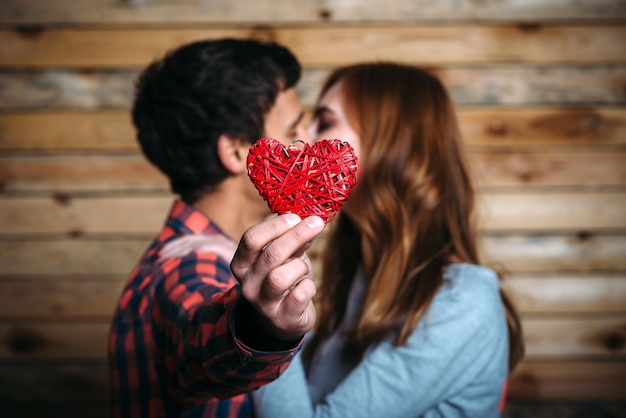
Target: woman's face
330,121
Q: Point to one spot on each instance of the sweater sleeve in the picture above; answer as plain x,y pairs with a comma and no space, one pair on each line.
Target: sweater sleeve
455,364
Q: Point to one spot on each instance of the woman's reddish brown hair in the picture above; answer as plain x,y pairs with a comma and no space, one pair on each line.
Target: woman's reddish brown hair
410,216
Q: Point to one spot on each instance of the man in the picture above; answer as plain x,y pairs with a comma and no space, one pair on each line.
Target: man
188,331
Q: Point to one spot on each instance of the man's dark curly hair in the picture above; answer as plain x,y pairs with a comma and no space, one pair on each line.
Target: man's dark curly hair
202,90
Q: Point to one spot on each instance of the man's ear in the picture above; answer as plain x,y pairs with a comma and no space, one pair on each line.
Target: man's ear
233,153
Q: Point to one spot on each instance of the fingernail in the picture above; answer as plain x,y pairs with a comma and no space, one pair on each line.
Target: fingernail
292,219
314,222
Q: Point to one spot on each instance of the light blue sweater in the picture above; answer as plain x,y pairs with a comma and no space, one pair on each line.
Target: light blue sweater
454,364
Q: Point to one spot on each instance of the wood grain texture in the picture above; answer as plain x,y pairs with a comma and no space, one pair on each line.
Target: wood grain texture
541,253
551,211
507,253
535,85
72,382
543,380
524,169
534,127
540,89
533,380
89,257
513,409
76,216
76,12
469,85
567,338
132,172
83,341
564,409
114,215
59,410
85,173
490,127
61,297
567,293
544,257
59,89
437,44
545,338
104,130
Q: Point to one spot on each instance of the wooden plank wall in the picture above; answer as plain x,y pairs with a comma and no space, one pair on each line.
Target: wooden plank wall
540,88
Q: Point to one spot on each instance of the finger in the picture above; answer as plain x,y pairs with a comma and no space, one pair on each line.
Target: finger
297,309
256,238
283,278
286,245
301,251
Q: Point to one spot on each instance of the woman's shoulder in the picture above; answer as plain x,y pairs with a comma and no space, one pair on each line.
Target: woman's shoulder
469,278
469,289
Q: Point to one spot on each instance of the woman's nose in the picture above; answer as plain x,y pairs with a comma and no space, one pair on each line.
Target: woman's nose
303,134
311,134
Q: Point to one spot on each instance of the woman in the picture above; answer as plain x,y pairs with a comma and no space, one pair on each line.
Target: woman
409,323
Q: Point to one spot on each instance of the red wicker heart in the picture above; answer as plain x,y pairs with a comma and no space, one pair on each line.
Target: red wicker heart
311,180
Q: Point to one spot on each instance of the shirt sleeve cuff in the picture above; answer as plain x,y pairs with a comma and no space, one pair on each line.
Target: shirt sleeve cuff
249,353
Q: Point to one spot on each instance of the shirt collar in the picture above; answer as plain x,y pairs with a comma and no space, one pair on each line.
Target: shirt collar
187,219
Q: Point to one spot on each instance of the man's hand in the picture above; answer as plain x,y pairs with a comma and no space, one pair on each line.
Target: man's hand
275,274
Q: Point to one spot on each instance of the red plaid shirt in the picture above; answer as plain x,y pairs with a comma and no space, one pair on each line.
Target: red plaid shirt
172,347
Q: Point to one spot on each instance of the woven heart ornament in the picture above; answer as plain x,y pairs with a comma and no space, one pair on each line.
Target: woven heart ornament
308,180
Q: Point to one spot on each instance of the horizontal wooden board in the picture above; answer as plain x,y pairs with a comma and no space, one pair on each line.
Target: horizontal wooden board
558,338
87,341
80,173
501,128
525,84
583,251
85,297
554,338
61,298
548,169
470,85
564,409
551,211
544,380
76,12
542,127
513,409
70,410
564,293
75,382
59,89
125,173
327,45
104,130
506,253
80,256
62,214
79,382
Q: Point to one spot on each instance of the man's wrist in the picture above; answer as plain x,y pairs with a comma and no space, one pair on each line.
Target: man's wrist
252,331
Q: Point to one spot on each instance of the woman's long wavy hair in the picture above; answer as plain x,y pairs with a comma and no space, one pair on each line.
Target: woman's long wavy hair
411,214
